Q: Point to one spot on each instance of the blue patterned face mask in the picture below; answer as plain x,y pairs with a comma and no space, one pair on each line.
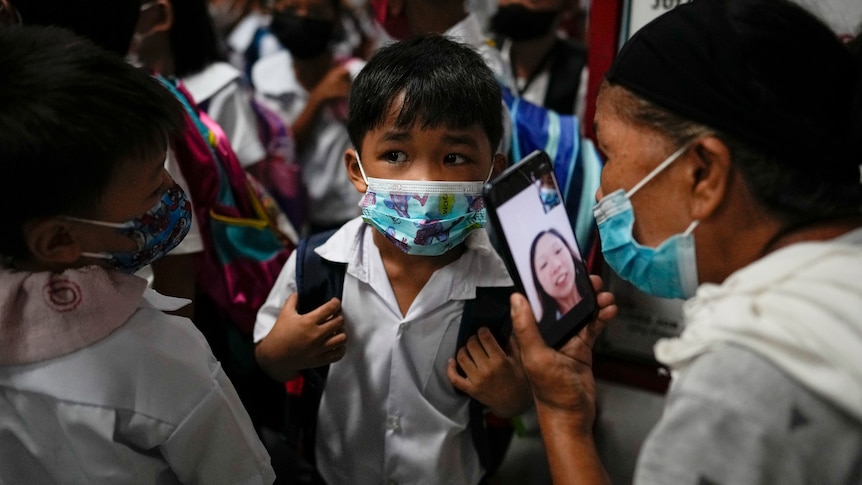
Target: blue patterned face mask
157,232
425,218
668,271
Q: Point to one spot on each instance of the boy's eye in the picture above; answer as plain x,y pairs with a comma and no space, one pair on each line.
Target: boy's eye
455,159
395,157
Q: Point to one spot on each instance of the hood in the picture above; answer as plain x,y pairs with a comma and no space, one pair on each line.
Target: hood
47,315
800,308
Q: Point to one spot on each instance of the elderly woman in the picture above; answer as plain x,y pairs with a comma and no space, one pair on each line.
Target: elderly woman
732,180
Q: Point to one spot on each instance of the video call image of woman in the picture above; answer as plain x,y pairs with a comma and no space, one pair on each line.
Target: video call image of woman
556,275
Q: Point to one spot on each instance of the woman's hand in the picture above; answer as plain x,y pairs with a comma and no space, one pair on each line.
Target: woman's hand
564,389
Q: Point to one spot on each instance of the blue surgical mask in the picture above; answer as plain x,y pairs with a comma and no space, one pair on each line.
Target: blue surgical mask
426,218
157,232
668,271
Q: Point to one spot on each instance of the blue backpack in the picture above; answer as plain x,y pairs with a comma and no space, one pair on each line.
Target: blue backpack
318,280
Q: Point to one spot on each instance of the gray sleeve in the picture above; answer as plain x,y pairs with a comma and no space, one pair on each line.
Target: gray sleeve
719,427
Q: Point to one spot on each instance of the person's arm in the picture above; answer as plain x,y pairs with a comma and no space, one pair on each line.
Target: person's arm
335,85
564,391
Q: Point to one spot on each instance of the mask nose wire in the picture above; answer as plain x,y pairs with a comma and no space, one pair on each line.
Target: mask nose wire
658,169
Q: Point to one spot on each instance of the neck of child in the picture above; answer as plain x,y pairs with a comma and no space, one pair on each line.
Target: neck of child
408,273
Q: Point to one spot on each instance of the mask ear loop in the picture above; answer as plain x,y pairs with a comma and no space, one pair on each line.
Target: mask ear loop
490,171
361,170
672,158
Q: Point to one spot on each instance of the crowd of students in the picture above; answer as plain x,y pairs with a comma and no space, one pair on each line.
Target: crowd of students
243,241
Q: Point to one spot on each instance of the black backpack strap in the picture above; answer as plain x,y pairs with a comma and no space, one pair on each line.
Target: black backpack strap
317,281
489,309
565,77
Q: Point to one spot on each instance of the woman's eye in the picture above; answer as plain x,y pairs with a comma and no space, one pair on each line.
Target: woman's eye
455,159
395,157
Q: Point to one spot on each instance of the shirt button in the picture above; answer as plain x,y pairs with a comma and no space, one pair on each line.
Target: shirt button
405,326
393,423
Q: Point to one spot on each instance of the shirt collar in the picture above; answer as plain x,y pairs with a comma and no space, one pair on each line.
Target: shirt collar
479,266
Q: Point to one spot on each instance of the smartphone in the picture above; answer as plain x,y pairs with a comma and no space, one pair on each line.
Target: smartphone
534,235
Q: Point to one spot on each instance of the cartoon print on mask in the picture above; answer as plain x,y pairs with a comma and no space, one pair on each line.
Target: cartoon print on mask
393,236
400,203
429,230
475,204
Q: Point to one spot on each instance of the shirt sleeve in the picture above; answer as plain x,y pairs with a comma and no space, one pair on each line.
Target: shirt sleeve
702,439
231,109
283,287
216,442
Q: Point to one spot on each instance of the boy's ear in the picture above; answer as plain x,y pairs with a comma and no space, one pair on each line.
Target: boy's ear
50,241
353,170
500,164
158,16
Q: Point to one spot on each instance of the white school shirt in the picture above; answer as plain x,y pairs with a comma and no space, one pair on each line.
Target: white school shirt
219,87
389,413
88,395
333,198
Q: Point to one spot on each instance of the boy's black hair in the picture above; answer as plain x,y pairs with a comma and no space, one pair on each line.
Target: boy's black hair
108,23
193,38
444,83
71,113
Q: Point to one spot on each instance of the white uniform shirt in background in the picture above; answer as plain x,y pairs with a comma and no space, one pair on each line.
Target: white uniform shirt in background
219,88
333,199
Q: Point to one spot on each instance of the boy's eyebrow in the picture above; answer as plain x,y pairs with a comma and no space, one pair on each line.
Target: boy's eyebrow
464,139
395,136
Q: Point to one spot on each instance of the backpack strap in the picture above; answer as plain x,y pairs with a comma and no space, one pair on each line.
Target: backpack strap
489,309
317,281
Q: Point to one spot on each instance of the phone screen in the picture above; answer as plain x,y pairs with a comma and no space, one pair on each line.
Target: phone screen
529,216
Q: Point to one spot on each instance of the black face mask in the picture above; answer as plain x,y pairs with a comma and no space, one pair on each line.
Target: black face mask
305,38
517,22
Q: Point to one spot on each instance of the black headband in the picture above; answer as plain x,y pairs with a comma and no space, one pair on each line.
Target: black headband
698,64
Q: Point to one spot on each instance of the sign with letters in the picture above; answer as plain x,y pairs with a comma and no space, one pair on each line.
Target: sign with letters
638,13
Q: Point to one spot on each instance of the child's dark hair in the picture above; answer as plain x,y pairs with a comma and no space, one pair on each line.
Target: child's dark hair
443,82
108,23
72,112
194,41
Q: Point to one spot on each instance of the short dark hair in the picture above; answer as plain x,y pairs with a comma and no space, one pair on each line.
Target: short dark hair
108,23
443,82
72,112
194,42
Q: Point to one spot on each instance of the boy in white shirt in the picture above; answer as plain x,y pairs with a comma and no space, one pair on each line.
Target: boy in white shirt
425,120
97,383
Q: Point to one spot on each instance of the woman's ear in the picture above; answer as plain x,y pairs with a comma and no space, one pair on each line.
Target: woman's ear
354,172
50,241
710,176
